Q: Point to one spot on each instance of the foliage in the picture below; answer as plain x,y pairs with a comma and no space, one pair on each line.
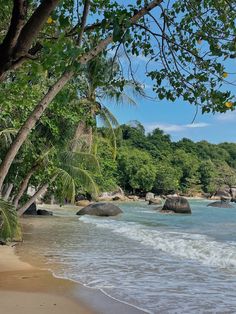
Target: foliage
136,170
153,162
9,225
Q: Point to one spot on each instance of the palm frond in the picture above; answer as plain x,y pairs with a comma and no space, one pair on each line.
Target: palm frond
87,159
110,116
119,97
9,224
85,179
111,136
76,158
68,184
7,134
44,157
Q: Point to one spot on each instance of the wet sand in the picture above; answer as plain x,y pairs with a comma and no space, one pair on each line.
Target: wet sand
25,289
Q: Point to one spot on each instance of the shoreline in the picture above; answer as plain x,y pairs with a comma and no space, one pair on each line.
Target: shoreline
30,289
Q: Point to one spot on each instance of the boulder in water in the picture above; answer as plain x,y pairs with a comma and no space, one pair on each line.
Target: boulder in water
177,204
221,204
155,201
44,212
31,210
100,209
149,196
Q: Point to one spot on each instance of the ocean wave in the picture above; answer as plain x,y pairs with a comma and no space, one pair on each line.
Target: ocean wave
196,247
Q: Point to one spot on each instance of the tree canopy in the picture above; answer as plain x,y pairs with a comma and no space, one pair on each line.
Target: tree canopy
50,49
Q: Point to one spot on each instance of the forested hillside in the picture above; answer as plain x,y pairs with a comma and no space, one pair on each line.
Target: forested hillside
153,162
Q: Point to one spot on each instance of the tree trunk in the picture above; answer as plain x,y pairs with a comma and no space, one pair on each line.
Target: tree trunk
30,124
8,192
23,186
36,195
53,91
20,36
83,137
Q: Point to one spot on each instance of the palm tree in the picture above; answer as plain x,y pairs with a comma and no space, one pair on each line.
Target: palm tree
8,216
70,170
96,87
9,224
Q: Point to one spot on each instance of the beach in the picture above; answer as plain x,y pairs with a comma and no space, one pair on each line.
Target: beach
26,289
139,262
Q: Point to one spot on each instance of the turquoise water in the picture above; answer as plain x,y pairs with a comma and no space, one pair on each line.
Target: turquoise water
161,263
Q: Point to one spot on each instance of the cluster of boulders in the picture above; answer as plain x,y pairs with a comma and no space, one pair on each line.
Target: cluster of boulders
224,197
172,203
33,211
117,195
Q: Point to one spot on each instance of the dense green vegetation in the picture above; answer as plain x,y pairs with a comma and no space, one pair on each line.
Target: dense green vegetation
59,62
154,163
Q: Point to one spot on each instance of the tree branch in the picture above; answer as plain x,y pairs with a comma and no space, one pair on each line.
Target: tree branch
83,22
17,22
34,26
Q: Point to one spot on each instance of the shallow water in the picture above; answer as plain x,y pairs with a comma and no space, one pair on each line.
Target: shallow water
158,262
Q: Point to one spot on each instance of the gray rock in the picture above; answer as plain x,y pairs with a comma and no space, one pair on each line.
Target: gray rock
149,196
177,204
223,194
31,210
155,201
221,204
158,208
44,212
233,192
100,209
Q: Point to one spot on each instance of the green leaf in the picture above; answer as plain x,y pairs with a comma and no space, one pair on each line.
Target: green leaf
9,224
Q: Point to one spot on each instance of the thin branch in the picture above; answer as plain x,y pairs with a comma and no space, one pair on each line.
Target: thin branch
83,21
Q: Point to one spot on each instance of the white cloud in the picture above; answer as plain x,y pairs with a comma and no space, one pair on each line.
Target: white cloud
197,125
174,127
228,116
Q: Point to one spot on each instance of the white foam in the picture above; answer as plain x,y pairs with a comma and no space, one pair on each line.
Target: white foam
185,245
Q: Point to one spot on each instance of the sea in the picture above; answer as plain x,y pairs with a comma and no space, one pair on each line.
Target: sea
160,263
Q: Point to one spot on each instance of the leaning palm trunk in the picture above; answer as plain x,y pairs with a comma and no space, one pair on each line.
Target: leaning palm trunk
41,191
53,91
8,192
24,185
83,138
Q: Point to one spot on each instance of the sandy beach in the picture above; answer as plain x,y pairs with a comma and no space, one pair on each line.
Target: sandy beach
25,289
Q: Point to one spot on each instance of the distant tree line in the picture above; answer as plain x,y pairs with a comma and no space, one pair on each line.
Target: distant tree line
153,162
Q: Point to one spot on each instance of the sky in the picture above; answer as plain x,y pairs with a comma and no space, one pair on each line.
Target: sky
175,118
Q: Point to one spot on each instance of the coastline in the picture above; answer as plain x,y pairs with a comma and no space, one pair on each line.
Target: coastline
29,289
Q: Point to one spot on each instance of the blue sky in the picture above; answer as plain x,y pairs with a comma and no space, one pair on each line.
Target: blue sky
176,118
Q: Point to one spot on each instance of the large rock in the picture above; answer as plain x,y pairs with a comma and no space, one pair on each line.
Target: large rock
149,196
117,195
222,195
221,204
100,209
177,204
155,201
134,198
44,212
233,192
31,210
